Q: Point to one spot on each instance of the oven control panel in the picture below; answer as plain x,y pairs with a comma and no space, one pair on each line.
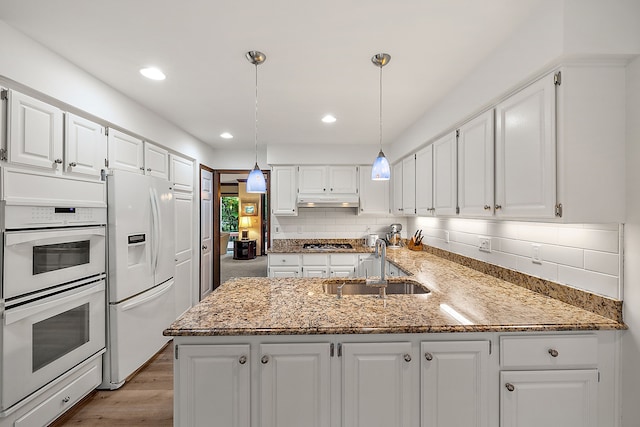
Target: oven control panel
51,216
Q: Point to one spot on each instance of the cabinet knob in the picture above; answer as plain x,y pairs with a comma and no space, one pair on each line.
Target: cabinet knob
553,352
487,207
66,399
204,247
324,189
142,168
148,169
498,207
58,161
331,189
73,164
509,386
407,357
242,360
428,356
265,359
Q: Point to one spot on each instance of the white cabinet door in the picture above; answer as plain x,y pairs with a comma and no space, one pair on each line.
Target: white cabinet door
284,190
342,271
283,272
35,132
213,385
315,265
315,271
181,173
156,161
475,166
125,152
368,265
424,181
343,179
377,384
295,385
312,179
85,147
526,152
396,179
409,185
184,287
567,398
374,195
206,232
445,175
454,383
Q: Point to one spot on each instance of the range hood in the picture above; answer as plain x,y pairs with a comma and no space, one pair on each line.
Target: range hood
328,201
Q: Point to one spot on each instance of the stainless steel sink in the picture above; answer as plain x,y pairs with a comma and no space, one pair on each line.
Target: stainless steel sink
404,287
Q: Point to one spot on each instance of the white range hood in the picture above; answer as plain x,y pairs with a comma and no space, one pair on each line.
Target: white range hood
328,201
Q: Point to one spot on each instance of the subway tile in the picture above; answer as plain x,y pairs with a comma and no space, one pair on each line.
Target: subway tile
602,262
515,247
546,270
564,255
538,233
504,229
598,240
602,284
504,260
472,226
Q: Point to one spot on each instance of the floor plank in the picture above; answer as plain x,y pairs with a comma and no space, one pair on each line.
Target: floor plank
146,399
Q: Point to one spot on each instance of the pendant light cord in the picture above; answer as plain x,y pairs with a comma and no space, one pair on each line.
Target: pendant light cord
381,107
256,116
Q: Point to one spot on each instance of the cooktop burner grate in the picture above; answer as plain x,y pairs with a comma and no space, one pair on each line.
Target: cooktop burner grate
327,246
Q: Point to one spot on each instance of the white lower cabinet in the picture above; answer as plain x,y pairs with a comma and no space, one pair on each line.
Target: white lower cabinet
377,384
213,386
313,265
295,385
454,383
368,265
284,265
566,398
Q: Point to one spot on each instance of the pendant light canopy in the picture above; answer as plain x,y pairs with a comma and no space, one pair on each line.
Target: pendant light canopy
255,181
381,171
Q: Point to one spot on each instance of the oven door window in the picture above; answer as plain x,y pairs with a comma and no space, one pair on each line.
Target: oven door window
58,335
60,255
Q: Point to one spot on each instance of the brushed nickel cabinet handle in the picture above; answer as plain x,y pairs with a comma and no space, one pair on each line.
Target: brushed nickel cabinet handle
428,356
509,386
73,164
58,161
242,360
498,207
407,357
553,352
265,359
487,207
66,399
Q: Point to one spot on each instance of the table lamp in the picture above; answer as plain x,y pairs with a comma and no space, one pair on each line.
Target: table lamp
245,224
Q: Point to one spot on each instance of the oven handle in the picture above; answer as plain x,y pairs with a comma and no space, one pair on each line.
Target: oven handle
17,238
13,315
161,290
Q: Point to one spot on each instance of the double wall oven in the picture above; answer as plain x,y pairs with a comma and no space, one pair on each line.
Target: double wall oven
53,292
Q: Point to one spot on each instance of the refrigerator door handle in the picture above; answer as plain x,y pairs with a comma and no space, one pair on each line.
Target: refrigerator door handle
155,212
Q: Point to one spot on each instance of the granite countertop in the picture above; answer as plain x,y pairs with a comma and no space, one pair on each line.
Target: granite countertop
270,306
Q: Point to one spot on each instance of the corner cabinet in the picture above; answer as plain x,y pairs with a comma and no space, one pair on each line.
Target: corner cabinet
284,191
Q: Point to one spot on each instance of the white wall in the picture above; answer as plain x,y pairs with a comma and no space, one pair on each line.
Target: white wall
631,338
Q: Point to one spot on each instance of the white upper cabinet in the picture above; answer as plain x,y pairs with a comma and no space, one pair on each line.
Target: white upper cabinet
445,175
328,179
283,190
181,173
34,132
424,181
374,195
125,152
475,166
409,185
156,161
526,152
85,146
396,181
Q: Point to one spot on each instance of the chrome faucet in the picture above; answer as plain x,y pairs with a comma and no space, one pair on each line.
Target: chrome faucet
381,251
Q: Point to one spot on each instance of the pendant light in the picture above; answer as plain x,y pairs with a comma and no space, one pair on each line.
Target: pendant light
255,180
381,171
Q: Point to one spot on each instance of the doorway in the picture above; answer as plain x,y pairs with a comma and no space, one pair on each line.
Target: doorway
234,214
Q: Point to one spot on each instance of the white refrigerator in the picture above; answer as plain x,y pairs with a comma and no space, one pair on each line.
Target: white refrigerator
141,259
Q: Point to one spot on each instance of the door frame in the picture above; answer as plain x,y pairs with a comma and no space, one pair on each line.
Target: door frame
216,216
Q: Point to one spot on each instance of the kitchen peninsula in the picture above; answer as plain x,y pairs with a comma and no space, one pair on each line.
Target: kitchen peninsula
267,351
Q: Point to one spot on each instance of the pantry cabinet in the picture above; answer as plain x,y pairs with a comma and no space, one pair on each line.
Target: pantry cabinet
445,175
213,383
283,191
424,181
476,166
374,195
295,385
34,132
526,152
377,384
454,383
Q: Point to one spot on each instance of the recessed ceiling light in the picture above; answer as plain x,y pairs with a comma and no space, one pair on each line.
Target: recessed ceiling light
226,135
153,73
329,119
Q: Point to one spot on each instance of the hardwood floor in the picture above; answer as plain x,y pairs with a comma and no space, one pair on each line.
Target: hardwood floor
146,399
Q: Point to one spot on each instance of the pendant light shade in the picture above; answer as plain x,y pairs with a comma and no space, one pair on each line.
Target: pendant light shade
255,181
381,171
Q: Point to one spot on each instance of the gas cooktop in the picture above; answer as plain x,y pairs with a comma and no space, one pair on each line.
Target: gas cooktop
327,246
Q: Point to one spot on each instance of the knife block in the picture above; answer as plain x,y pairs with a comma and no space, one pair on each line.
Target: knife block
413,246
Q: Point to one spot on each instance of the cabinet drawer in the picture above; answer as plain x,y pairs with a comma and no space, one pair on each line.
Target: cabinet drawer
283,259
61,401
578,351
343,259
314,259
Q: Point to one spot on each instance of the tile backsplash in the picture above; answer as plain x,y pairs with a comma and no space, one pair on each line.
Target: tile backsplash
331,223
584,256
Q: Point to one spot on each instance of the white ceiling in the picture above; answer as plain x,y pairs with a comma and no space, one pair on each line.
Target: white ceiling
318,59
